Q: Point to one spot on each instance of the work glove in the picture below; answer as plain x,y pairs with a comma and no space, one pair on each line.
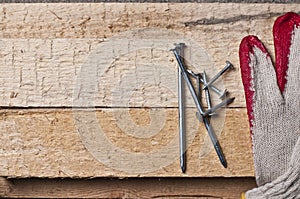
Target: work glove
273,107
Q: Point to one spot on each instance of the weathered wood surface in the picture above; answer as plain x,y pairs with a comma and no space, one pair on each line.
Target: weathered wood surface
47,73
44,51
45,143
168,188
37,69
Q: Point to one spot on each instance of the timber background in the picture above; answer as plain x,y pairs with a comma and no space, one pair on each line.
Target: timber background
41,180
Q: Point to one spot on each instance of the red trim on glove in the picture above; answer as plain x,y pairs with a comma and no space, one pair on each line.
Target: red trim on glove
283,32
246,48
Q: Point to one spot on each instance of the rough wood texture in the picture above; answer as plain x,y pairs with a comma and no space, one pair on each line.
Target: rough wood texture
44,49
44,143
42,72
45,73
209,188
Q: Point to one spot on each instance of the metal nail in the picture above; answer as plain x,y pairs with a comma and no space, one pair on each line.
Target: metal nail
227,67
182,141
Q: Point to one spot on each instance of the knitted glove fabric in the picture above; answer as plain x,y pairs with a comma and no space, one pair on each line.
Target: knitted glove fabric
273,105
285,186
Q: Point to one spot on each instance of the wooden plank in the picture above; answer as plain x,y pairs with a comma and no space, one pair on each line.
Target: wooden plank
89,20
50,73
96,143
226,188
40,65
46,73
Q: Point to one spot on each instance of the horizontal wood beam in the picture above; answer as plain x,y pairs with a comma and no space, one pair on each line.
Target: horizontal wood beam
102,20
120,143
57,72
45,47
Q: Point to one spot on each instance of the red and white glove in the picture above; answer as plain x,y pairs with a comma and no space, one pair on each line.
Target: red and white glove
273,106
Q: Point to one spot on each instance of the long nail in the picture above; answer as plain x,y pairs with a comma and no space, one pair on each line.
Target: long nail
182,141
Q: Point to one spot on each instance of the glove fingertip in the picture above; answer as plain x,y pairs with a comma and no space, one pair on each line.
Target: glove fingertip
246,49
283,29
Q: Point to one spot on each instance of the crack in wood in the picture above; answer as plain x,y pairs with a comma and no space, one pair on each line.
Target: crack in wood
58,17
214,21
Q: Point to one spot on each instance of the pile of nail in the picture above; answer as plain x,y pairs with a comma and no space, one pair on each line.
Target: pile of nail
185,75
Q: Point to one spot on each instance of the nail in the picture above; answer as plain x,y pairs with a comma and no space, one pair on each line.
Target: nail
227,67
182,141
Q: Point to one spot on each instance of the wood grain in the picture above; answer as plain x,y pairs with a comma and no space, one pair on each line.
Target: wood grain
102,20
47,73
44,46
65,143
